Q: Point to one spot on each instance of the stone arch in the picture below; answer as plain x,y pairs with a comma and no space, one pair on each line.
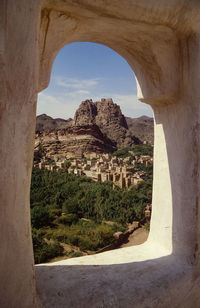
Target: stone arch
150,50
161,43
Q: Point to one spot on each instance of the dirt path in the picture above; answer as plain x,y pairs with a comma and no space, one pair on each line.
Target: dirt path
138,237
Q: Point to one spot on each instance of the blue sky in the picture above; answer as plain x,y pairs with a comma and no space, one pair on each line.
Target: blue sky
89,71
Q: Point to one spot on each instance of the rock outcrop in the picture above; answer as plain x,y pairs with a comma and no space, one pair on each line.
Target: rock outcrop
68,142
97,127
109,118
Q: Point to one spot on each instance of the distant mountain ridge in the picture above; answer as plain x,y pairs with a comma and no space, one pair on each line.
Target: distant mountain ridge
97,127
142,128
47,123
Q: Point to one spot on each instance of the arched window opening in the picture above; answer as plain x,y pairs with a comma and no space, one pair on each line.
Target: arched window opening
93,161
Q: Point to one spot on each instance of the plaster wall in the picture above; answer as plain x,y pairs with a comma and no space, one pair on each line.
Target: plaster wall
18,97
160,41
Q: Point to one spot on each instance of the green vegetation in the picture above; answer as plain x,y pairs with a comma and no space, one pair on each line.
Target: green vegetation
70,209
42,250
135,150
39,154
67,164
148,170
52,162
87,235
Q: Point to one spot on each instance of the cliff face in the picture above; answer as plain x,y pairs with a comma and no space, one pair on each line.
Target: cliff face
86,113
103,113
109,118
72,140
98,127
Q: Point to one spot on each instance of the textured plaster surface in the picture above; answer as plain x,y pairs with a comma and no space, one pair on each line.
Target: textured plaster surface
18,97
161,42
121,278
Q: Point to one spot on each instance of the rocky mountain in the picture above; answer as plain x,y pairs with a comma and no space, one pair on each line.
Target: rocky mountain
97,127
109,118
142,127
46,123
72,141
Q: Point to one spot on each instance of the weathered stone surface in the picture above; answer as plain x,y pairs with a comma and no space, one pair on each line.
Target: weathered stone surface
98,127
109,118
64,142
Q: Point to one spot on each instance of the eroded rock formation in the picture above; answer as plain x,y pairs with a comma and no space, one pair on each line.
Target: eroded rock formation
98,127
69,141
108,116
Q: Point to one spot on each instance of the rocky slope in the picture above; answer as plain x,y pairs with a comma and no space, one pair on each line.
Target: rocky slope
142,127
69,142
97,127
46,123
109,118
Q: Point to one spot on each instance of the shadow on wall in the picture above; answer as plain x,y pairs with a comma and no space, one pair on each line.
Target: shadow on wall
121,285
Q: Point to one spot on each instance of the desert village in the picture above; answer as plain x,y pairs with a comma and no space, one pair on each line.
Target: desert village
101,167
